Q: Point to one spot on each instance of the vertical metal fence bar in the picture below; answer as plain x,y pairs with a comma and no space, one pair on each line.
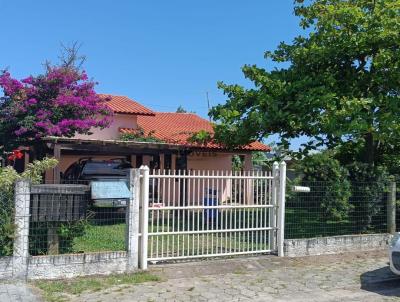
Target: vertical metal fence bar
281,208
145,216
193,202
203,236
272,211
173,212
178,222
212,214
198,203
167,203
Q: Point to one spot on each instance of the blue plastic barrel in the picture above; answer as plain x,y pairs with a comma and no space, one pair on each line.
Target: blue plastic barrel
210,214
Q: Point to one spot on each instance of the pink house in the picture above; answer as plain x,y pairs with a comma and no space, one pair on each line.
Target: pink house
170,148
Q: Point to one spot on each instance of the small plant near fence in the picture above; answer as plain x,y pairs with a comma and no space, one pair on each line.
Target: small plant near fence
8,177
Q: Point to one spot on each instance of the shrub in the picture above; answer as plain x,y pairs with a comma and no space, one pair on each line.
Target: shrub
8,177
6,223
328,181
368,192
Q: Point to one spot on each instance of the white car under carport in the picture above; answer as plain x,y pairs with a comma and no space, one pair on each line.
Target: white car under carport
109,193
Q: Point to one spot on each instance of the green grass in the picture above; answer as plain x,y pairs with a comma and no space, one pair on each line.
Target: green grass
58,290
99,238
306,223
112,238
300,223
303,223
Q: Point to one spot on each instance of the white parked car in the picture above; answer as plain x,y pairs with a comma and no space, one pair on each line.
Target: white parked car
394,254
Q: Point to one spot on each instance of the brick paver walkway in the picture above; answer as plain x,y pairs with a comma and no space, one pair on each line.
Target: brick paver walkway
17,292
349,277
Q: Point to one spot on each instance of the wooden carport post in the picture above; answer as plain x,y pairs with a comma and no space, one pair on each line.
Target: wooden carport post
53,240
56,169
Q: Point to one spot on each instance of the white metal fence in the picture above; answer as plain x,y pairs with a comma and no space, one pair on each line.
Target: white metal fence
197,214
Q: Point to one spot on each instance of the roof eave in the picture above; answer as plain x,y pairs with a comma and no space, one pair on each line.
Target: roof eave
133,113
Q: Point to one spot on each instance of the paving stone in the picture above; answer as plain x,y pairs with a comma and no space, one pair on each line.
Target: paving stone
348,277
17,292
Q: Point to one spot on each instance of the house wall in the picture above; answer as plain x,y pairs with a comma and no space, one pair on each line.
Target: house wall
112,132
206,163
210,161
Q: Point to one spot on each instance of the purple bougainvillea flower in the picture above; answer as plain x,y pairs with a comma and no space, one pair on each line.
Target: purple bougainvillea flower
31,102
21,131
61,102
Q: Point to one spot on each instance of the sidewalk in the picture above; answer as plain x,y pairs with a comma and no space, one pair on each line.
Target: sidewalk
17,292
363,277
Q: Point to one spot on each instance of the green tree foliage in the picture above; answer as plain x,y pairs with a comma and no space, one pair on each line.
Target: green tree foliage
201,137
180,109
324,174
237,163
139,135
340,82
261,161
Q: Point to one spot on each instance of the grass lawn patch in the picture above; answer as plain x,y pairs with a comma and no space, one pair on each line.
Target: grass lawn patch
98,238
308,223
58,290
305,223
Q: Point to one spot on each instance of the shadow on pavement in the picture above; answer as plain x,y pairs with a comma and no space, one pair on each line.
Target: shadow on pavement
381,281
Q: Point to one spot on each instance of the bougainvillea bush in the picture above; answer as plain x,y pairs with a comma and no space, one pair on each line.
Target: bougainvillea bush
61,102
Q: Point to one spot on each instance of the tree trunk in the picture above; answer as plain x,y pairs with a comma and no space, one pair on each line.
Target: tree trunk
369,149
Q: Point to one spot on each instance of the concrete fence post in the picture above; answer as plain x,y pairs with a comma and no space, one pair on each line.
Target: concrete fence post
281,208
391,208
21,243
272,211
144,221
132,223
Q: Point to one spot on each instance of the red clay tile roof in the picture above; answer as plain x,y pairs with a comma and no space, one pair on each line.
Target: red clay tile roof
177,128
123,104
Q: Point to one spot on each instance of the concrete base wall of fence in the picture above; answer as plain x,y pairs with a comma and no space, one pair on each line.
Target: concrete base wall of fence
6,268
68,266
74,265
335,244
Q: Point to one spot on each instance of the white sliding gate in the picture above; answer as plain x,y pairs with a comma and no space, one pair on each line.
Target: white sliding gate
197,214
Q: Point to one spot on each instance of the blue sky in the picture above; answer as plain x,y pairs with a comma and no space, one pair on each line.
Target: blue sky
161,53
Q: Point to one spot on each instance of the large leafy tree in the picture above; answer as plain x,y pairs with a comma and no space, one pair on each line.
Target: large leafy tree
340,83
60,102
